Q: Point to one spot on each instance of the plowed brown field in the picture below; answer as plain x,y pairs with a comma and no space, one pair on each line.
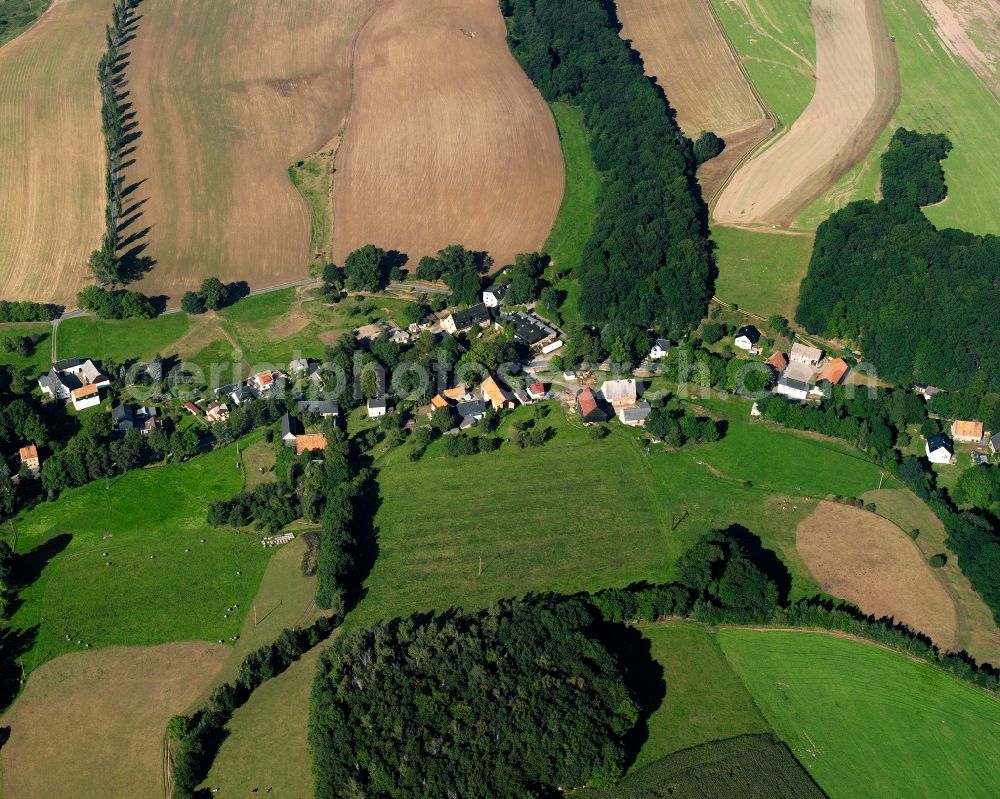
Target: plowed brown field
228,94
448,141
51,153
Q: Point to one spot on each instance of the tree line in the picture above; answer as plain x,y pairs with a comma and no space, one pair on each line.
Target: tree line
918,301
23,311
648,260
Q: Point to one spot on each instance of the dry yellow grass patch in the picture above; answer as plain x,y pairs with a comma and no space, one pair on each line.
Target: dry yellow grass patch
51,153
857,90
448,141
869,561
970,29
92,724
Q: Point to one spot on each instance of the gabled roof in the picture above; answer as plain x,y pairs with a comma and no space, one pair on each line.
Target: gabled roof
498,290
637,414
121,413
940,441
792,383
29,452
662,343
536,389
528,328
264,378
777,361
967,429
89,390
473,407
68,363
493,392
225,390
834,371
290,426
438,401
619,390
751,333
457,392
587,403
995,440
375,403
317,406
475,315
309,443
806,351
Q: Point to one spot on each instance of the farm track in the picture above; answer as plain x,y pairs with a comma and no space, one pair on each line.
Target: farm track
441,151
857,91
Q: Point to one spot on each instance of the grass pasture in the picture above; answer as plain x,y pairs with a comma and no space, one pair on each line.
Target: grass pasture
748,766
119,339
183,593
67,737
39,360
441,151
51,151
867,722
228,94
761,271
16,16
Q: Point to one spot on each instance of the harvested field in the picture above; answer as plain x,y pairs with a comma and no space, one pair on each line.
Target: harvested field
970,29
682,47
713,174
868,560
93,723
228,94
51,153
857,90
441,150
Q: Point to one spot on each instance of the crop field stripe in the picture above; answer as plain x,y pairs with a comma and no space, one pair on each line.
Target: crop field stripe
868,722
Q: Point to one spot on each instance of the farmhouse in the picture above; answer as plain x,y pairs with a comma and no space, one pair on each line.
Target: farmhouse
325,408
528,328
968,432
310,442
30,459
635,416
792,388
810,356
193,409
495,395
620,393
777,362
659,350
85,397
536,390
493,296
67,375
939,449
476,316
590,412
377,407
746,339
470,413
834,371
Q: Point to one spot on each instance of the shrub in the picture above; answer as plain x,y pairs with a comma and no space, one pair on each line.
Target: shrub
938,560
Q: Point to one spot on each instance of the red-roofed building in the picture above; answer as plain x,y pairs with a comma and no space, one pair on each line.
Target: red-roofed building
590,411
537,390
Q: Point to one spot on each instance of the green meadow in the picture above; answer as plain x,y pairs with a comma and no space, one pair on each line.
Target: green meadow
40,358
867,722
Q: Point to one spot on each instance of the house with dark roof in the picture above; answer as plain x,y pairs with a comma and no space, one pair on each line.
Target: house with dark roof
746,338
636,415
289,429
940,449
995,443
241,394
586,405
71,375
377,407
493,296
659,349
476,316
470,413
529,329
325,408
127,417
793,389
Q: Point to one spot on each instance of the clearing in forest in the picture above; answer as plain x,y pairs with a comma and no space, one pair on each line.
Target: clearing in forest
443,149
51,153
93,723
857,90
228,95
869,561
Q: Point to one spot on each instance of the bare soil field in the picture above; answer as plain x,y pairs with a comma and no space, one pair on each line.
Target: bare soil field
51,153
228,94
977,631
683,48
448,141
970,29
713,174
94,723
857,91
868,560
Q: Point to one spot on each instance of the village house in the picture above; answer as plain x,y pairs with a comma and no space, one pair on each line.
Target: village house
586,405
746,338
193,409
325,408
30,459
496,395
289,428
71,374
127,417
659,350
85,397
620,393
834,371
262,383
299,367
493,296
777,362
310,442
399,337
803,353
995,443
476,316
217,412
470,413
968,432
377,407
450,396
792,388
940,449
241,394
536,390
635,416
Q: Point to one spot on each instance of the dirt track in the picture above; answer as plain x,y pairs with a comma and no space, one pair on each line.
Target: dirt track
68,728
51,153
868,560
228,94
448,141
857,90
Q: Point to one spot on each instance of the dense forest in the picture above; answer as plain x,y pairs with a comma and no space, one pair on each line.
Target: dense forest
507,702
919,301
648,260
